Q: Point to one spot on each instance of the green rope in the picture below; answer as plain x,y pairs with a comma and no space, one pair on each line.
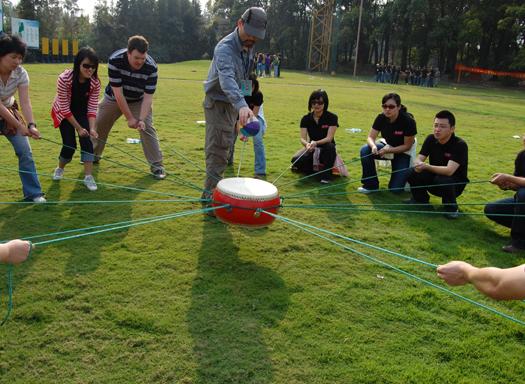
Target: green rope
116,186
134,224
91,228
290,167
303,194
127,166
80,202
349,208
195,186
317,173
403,272
391,204
351,181
180,182
9,293
149,221
377,248
189,161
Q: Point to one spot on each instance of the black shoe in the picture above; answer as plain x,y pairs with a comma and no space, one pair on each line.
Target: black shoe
159,173
260,176
326,181
512,249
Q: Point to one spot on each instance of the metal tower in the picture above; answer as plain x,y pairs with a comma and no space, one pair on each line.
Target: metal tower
321,36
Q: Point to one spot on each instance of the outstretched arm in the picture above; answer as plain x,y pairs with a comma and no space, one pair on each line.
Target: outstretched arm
499,284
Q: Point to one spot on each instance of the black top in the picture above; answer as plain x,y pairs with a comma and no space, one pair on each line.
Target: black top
79,98
134,83
394,133
519,164
255,100
318,131
454,149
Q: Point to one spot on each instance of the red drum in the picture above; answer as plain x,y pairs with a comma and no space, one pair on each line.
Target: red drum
246,197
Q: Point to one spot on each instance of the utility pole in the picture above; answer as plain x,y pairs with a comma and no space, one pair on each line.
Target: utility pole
358,36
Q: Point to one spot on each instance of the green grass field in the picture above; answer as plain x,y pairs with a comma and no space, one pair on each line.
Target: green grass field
191,300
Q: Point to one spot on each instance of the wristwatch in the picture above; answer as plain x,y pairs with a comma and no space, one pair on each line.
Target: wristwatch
31,125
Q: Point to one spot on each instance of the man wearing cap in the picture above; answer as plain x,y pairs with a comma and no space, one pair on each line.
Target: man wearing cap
227,84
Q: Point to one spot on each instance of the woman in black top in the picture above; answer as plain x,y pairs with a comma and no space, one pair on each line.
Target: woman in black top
317,133
398,129
512,209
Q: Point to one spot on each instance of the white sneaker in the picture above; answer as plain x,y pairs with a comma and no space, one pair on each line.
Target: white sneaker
58,174
364,190
39,200
90,183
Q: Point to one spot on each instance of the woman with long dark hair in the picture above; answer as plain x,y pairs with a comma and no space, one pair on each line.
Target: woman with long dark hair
317,133
75,109
398,130
15,78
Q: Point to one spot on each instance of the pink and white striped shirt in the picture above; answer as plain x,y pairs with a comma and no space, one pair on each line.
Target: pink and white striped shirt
61,105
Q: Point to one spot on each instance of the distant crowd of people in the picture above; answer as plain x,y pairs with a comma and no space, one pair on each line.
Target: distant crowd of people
267,64
421,76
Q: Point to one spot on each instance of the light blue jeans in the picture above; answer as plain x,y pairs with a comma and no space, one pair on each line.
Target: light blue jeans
26,166
258,146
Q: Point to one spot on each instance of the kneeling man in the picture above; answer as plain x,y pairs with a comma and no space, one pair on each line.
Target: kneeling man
445,175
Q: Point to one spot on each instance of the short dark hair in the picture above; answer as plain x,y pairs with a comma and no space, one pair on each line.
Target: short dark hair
85,53
139,43
447,115
318,94
12,44
393,96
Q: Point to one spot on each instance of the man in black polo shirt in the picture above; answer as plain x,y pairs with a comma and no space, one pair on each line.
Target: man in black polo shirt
132,82
446,173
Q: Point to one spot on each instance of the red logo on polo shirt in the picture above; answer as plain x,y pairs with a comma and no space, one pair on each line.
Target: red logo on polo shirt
398,133
325,126
447,155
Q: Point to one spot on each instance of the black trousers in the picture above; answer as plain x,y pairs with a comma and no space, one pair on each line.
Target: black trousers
326,159
68,132
446,187
510,208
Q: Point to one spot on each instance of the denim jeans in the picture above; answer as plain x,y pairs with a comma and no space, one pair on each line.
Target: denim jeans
258,146
400,169
508,208
26,166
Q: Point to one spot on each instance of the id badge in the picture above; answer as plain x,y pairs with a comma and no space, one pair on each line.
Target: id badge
246,87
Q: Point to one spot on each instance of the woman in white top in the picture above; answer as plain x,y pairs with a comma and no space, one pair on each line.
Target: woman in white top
14,78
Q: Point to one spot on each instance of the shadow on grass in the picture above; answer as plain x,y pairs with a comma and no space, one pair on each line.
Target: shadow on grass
232,302
84,253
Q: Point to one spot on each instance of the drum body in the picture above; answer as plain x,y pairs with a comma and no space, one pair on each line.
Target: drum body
246,197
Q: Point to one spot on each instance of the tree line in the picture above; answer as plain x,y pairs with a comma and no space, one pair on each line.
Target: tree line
440,33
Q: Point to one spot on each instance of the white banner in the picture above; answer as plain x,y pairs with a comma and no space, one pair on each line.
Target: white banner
28,30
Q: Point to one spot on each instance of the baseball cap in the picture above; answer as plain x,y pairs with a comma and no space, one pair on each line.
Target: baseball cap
255,22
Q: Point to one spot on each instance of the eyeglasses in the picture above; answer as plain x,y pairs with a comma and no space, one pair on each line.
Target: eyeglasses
89,66
389,106
317,102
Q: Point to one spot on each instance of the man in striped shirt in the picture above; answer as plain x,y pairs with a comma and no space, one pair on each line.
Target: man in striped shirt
132,82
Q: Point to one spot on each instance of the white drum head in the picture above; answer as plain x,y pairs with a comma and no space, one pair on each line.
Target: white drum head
247,188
